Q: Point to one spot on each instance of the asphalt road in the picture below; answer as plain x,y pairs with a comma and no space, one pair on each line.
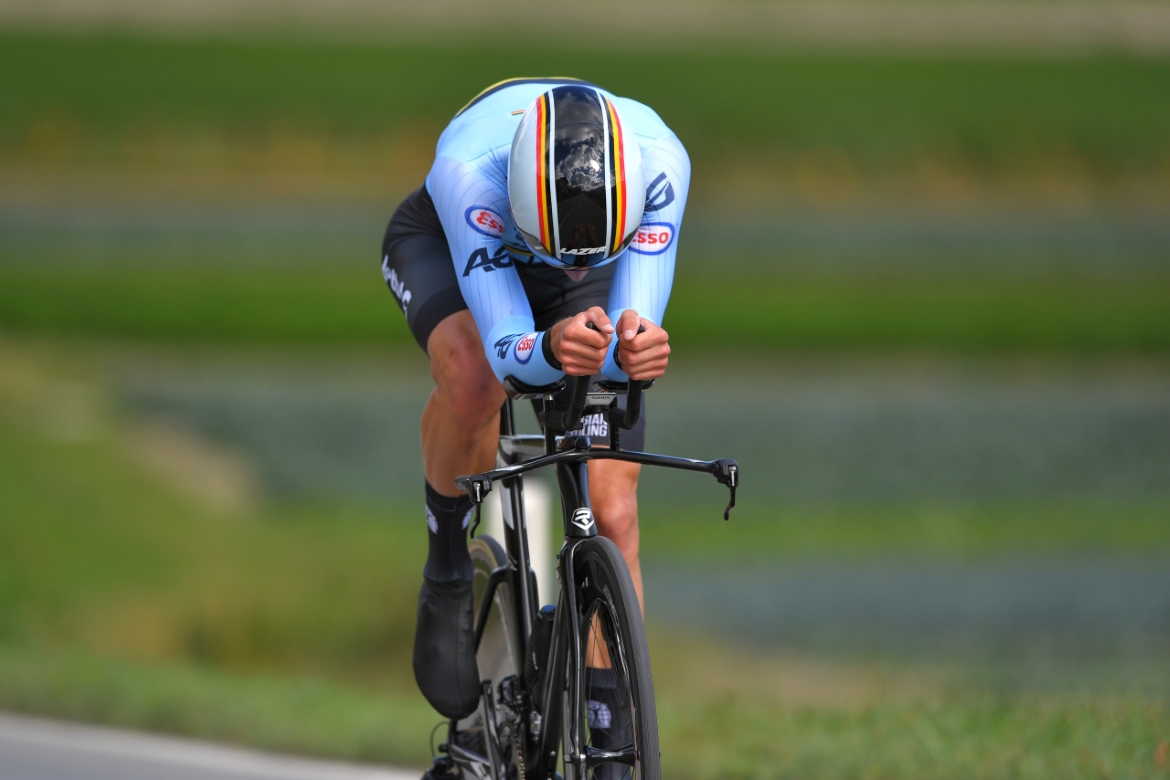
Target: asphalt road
33,749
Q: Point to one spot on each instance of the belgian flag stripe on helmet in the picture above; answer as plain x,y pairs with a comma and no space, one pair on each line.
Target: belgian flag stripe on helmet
543,191
617,161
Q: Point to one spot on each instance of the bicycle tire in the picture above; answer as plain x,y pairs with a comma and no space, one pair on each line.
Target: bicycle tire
496,656
605,590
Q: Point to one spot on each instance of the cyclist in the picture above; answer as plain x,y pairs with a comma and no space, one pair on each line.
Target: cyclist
551,203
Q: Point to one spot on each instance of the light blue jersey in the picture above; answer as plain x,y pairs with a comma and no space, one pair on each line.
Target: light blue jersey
469,186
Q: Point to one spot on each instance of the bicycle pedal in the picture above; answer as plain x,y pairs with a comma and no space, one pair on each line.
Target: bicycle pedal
443,768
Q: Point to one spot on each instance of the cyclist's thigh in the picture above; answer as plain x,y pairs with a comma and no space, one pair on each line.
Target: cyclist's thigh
417,266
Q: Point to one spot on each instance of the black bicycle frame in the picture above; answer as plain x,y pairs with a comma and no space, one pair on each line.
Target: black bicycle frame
521,454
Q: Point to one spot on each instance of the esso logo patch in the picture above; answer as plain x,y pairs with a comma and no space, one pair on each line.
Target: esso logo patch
524,348
484,220
653,238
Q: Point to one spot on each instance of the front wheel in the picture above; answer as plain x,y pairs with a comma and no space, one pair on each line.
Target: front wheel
616,714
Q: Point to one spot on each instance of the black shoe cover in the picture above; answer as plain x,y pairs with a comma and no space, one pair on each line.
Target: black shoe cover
444,648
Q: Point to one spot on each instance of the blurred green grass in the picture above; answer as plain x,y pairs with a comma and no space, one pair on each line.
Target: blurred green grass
105,557
876,311
941,532
1107,112
313,305
295,111
303,715
709,309
957,735
125,601
887,731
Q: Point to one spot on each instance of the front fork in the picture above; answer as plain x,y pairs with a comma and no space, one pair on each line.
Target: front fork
568,668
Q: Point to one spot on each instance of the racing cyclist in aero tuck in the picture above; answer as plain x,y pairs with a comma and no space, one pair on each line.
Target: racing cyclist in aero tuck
551,204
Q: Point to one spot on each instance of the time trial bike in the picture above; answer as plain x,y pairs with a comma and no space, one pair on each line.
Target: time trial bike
538,660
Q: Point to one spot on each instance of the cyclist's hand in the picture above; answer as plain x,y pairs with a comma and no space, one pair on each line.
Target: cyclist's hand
643,355
580,349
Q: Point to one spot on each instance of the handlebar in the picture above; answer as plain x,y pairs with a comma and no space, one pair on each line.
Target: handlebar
578,448
580,393
633,403
572,416
477,486
569,419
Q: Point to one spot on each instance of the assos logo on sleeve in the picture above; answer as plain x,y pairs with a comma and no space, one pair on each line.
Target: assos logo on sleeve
524,348
653,238
484,220
503,344
659,193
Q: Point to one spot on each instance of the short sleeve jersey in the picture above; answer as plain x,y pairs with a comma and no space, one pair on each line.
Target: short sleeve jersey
469,185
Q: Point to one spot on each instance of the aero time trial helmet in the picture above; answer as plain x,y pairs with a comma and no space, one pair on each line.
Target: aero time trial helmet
575,178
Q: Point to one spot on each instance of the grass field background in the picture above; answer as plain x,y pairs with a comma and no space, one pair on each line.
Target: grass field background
934,287
137,594
301,119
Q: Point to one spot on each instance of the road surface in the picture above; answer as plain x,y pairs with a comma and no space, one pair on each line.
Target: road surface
33,749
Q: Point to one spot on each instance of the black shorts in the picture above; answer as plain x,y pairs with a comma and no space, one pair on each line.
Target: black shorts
418,269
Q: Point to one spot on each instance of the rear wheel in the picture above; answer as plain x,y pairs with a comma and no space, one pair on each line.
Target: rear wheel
616,714
497,655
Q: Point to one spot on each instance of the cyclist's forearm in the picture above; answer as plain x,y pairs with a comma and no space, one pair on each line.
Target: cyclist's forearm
515,348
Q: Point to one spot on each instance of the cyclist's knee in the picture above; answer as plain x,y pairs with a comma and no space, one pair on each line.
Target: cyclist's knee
617,517
613,492
466,386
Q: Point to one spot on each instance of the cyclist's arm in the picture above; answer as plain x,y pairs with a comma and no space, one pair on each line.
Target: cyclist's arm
645,271
470,208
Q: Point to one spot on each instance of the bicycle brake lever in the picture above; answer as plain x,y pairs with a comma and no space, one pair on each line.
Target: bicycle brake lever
474,524
726,472
477,489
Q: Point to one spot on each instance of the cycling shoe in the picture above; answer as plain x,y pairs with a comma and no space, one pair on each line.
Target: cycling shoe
444,648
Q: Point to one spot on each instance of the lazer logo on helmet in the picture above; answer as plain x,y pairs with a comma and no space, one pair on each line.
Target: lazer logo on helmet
653,238
524,348
484,220
593,250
